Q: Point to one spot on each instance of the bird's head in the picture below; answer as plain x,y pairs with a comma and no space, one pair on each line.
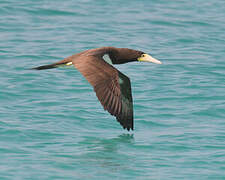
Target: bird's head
147,58
128,55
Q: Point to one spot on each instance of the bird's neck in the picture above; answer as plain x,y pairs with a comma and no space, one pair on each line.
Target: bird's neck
122,61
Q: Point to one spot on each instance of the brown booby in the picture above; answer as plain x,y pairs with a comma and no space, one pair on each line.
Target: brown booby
112,87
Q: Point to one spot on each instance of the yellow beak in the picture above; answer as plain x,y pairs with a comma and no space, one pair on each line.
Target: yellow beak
148,58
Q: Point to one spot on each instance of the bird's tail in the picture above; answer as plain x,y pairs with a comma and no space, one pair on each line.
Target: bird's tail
51,66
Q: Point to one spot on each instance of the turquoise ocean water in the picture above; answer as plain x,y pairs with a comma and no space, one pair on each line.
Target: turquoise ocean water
53,127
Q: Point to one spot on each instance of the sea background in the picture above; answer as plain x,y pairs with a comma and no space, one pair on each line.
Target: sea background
51,123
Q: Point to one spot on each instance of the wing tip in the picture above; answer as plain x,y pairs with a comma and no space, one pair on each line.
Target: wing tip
129,126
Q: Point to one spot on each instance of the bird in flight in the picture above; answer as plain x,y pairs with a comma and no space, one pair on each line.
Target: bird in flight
112,87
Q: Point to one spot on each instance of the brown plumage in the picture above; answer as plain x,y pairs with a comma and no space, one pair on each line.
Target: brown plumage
112,87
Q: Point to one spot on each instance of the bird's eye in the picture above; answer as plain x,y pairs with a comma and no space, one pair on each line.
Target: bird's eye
142,55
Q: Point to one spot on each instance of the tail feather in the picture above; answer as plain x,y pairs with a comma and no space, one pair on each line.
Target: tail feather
51,66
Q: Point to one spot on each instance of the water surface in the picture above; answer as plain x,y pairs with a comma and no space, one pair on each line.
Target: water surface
53,127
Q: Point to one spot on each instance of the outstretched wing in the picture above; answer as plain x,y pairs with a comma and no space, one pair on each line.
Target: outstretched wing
112,88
